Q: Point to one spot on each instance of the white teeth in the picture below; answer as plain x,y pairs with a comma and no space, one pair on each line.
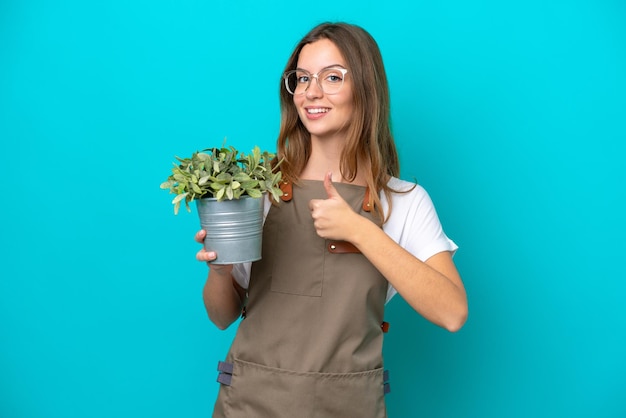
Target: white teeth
317,110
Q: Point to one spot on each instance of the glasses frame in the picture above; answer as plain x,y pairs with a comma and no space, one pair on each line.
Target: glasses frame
315,76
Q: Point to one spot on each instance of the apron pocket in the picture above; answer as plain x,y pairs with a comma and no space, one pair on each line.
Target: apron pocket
261,391
359,394
303,273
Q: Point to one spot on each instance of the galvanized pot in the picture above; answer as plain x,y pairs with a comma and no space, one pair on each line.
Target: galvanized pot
233,228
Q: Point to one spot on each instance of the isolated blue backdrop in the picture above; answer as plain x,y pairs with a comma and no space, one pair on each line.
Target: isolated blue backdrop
511,114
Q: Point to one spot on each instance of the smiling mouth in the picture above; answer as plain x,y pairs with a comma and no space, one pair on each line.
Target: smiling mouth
317,110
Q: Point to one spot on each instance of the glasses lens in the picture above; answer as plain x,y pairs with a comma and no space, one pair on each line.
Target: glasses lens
297,81
331,80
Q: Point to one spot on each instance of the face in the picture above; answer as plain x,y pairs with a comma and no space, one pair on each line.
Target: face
325,116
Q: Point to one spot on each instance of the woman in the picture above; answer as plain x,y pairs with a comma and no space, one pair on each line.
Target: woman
348,235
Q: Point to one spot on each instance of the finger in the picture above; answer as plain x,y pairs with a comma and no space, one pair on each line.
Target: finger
204,255
200,235
328,185
314,204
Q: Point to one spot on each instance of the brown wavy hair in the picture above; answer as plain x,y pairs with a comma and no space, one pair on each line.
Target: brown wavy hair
369,136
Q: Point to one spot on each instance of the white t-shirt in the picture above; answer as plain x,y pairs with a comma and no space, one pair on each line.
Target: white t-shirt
413,224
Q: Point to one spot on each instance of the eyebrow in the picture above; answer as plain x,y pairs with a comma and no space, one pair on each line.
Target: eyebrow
325,68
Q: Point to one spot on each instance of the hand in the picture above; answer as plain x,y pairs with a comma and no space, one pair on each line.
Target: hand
333,218
206,256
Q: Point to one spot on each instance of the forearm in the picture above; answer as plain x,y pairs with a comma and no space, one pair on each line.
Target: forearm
433,288
222,300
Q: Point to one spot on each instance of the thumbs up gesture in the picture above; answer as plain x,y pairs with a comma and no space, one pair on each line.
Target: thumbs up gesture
332,217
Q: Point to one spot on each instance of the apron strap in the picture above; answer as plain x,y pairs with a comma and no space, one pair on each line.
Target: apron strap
341,247
287,189
367,203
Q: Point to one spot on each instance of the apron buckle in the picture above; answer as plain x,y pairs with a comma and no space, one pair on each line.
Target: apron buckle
225,370
386,386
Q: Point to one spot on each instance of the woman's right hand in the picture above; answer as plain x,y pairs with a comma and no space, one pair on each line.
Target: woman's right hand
207,256
223,297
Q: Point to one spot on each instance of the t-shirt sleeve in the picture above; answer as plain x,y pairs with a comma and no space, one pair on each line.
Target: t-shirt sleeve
424,235
241,274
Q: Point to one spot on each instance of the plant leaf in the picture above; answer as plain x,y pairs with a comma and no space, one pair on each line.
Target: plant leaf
196,189
179,197
241,176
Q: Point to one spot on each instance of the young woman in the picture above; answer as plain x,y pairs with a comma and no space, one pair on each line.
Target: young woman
347,236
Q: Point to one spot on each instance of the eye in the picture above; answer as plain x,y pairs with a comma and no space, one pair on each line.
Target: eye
302,78
333,76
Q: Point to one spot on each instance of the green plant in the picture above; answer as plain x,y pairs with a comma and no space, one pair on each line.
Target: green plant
223,173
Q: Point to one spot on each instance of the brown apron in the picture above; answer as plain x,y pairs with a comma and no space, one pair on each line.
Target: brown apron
310,344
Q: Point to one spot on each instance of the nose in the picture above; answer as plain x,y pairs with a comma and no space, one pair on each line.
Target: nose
314,90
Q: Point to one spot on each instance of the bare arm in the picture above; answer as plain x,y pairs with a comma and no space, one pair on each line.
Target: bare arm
223,297
433,288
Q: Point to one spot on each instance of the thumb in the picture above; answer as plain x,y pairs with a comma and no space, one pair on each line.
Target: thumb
328,185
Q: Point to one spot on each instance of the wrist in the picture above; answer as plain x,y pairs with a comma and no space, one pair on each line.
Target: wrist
221,271
360,230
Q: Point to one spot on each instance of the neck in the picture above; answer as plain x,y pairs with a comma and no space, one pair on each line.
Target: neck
325,157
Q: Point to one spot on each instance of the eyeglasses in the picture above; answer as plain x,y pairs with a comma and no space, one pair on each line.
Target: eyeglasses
329,80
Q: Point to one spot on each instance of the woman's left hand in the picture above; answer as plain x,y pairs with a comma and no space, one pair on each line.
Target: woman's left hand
332,217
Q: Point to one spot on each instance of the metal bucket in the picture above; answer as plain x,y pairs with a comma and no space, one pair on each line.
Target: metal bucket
233,228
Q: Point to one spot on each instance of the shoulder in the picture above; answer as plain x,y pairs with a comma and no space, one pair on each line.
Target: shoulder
412,210
405,195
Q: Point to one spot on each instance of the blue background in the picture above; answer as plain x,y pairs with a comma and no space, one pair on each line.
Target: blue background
511,114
